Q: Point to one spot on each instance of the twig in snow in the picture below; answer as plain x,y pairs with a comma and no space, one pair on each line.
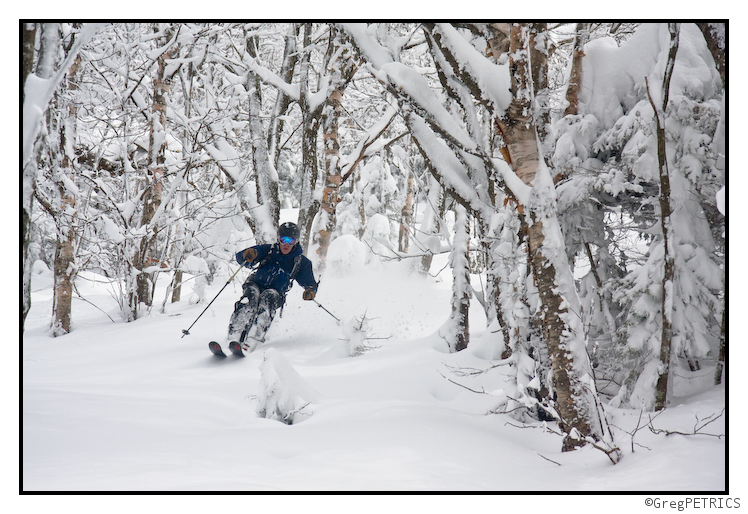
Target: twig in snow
633,433
89,302
549,460
463,386
467,372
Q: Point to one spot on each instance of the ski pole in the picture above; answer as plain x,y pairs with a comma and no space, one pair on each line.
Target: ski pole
328,312
186,332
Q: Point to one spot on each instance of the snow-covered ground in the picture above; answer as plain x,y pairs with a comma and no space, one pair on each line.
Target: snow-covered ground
137,407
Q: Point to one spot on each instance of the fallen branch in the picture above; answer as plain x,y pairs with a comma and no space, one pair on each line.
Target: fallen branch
468,372
613,452
696,428
543,426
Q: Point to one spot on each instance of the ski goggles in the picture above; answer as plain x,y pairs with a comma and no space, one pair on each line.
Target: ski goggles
287,240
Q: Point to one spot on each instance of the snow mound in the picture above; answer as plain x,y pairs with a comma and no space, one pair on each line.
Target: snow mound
283,393
346,255
41,268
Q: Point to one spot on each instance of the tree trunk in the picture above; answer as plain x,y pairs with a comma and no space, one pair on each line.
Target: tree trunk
29,174
64,265
505,284
518,124
266,178
575,78
309,206
715,35
604,303
333,178
283,101
27,60
570,394
540,49
575,401
457,330
341,66
176,292
146,256
47,60
64,269
721,358
431,224
406,216
668,276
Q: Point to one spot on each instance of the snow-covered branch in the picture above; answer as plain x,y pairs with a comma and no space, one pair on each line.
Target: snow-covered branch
38,91
366,146
270,78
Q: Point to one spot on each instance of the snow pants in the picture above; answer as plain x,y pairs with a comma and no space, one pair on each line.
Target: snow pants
253,313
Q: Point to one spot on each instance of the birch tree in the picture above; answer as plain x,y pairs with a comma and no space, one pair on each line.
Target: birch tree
58,192
38,90
310,115
341,65
464,168
28,34
147,254
263,166
456,331
316,83
563,333
65,266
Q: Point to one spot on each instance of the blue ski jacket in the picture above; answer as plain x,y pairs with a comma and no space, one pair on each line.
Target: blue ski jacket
277,271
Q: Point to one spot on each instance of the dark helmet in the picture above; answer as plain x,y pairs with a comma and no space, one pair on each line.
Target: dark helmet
289,229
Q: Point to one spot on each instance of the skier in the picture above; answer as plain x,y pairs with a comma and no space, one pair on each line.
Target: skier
278,265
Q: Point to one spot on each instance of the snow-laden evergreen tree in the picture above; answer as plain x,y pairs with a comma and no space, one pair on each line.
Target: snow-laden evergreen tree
612,146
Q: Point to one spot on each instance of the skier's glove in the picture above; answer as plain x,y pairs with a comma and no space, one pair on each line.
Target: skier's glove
249,255
308,294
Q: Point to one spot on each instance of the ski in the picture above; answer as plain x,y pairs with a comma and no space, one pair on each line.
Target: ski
216,349
236,349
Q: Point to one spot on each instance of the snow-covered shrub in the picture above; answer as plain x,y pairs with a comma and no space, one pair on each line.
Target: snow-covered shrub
283,394
356,333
